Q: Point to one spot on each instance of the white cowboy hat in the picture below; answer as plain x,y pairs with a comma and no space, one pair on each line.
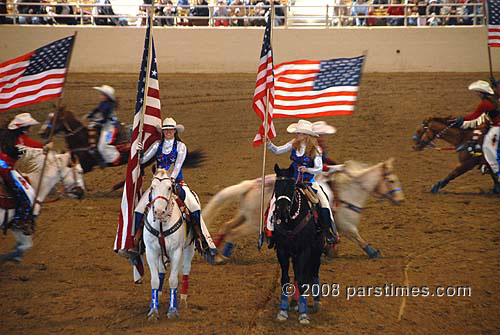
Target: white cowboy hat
22,120
481,86
170,123
107,91
323,128
302,127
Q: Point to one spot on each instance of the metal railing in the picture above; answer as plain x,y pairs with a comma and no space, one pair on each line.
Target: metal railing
248,15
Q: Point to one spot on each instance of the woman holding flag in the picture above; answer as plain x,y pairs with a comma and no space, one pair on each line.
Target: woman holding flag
306,157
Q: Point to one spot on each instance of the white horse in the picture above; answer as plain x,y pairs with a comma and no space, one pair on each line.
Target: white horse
167,238
60,167
352,186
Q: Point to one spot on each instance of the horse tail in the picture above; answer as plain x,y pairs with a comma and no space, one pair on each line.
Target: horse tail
194,159
223,197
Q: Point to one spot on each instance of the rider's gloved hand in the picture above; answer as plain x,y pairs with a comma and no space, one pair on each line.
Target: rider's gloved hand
47,147
457,122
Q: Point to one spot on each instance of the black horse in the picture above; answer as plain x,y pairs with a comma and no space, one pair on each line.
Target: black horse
297,236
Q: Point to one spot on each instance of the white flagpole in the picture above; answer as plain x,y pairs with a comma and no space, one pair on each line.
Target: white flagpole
266,127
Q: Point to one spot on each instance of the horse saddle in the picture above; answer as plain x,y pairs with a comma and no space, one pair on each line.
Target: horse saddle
310,194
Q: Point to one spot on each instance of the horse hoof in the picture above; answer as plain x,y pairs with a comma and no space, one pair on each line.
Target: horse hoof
172,313
435,188
294,306
375,255
304,319
221,259
282,316
153,315
316,306
184,300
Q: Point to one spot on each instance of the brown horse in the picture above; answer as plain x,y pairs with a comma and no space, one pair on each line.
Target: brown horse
435,128
77,138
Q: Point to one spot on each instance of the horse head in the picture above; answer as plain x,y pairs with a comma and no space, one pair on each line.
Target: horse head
284,190
63,121
434,128
162,188
389,185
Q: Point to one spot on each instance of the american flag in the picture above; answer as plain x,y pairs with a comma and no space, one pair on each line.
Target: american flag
36,76
305,89
494,23
264,87
148,82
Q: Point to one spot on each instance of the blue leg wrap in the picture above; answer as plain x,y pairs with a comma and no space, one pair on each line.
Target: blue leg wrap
173,299
161,277
302,305
154,299
228,249
284,302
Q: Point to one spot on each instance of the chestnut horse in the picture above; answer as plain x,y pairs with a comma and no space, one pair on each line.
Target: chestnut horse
435,128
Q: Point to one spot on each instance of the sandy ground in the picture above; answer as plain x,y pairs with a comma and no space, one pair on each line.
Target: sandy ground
73,283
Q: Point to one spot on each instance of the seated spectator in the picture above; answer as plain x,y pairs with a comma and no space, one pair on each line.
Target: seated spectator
396,11
237,9
469,11
183,7
198,11
260,13
279,14
168,10
434,7
103,10
31,10
433,20
3,10
413,16
65,10
221,10
422,12
359,8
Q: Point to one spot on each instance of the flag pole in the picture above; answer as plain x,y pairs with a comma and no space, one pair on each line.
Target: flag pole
266,127
143,109
56,114
487,42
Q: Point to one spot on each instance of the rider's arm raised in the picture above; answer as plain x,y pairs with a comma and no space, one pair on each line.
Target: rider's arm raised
150,153
278,150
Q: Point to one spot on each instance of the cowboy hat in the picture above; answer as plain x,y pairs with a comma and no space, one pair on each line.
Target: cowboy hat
323,128
107,91
22,120
481,86
170,123
302,127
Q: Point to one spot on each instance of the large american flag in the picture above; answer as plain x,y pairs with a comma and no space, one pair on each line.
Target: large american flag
494,23
151,133
36,76
305,89
264,87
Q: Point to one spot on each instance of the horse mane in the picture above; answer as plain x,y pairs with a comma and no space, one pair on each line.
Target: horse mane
354,170
440,119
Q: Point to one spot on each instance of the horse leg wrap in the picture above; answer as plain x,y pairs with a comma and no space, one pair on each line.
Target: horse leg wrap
302,305
219,238
185,284
154,299
370,251
296,293
173,301
284,302
161,277
228,249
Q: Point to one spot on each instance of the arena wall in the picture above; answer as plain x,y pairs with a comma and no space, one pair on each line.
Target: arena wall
217,50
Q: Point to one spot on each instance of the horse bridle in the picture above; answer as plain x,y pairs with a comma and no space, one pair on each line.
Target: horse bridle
435,136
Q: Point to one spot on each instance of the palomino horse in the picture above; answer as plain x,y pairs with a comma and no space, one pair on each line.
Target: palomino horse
435,128
77,138
378,179
59,167
167,238
297,239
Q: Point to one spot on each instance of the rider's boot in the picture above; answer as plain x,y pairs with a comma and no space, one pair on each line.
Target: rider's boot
208,252
328,226
496,188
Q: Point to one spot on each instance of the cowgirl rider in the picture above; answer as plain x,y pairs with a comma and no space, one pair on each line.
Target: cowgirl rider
307,162
172,151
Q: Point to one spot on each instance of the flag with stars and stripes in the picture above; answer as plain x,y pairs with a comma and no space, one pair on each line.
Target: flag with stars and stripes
306,89
494,23
264,87
147,114
36,76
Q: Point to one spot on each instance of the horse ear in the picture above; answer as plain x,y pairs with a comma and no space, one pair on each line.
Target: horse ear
389,163
276,168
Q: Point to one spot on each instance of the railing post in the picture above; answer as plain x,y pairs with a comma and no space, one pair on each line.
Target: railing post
406,15
286,15
326,19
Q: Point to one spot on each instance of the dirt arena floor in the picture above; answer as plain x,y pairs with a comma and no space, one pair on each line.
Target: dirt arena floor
73,283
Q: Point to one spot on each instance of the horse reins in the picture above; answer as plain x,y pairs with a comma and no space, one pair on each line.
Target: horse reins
437,136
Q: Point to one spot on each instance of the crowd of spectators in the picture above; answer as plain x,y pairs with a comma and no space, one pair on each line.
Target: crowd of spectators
244,12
